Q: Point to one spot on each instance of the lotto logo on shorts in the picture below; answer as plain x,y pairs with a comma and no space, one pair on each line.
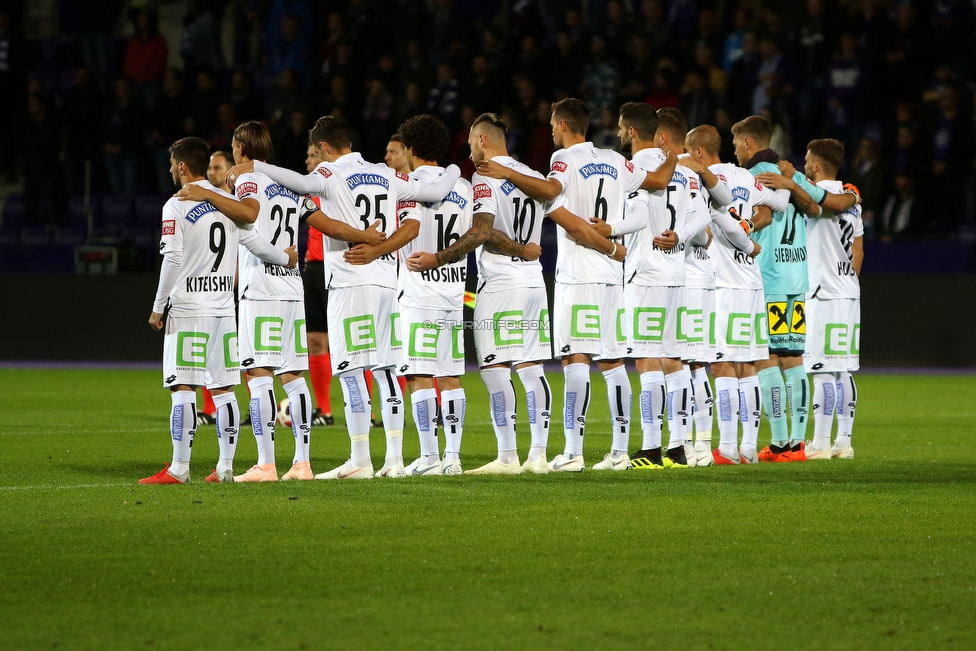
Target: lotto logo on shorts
649,323
508,328
586,322
360,332
691,326
840,341
191,349
267,334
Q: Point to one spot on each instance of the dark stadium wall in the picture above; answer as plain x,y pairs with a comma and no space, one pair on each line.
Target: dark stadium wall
907,320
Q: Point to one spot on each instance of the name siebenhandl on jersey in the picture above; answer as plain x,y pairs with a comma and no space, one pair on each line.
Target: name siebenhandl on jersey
605,169
210,284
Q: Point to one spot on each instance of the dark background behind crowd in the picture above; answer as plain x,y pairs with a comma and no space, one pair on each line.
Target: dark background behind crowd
95,91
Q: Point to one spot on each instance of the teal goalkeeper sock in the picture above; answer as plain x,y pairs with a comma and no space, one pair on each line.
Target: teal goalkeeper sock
774,401
798,391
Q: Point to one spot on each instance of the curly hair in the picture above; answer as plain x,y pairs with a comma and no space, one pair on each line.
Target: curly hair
426,136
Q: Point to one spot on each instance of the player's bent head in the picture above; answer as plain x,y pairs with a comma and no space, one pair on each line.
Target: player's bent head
332,131
425,137
255,140
829,153
642,117
707,137
192,152
673,122
574,113
491,126
756,128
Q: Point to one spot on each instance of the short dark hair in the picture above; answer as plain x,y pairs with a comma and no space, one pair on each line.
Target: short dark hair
642,117
426,136
830,152
194,152
226,155
332,131
491,122
673,122
574,113
707,137
255,140
755,127
396,138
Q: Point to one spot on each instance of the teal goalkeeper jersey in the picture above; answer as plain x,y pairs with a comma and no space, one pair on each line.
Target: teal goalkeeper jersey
783,259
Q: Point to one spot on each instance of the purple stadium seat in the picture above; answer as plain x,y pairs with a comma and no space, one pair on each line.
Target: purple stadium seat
8,235
116,211
149,208
14,210
33,235
102,233
69,235
141,236
76,210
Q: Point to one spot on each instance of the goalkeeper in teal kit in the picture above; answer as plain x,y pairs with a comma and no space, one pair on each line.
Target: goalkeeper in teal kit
783,262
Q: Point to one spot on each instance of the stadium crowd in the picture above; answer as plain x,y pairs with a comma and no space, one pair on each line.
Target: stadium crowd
891,80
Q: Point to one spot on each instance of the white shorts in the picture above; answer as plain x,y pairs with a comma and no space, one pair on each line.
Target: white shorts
272,335
590,320
364,327
833,335
435,342
201,351
512,326
740,325
652,319
696,325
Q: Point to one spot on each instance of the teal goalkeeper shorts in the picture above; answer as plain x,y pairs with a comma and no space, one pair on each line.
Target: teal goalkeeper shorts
787,319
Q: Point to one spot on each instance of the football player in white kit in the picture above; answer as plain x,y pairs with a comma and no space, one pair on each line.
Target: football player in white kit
740,323
195,303
363,309
836,251
588,299
431,301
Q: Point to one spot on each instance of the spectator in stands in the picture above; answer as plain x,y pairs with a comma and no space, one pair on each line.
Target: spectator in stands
145,58
200,43
483,88
444,98
124,144
96,20
340,97
168,119
907,156
291,51
459,152
952,145
288,97
538,143
715,77
664,92
655,28
562,77
707,34
698,101
905,52
415,69
411,103
743,79
531,61
777,79
12,62
902,214
846,91
291,142
617,30
528,98
813,48
246,102
601,80
377,118
741,24
869,175
82,120
39,138
637,71
226,123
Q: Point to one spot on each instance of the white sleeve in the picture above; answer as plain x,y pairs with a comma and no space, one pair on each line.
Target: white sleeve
407,210
720,193
733,230
313,183
262,248
636,217
777,201
429,191
634,177
169,272
559,169
696,219
484,196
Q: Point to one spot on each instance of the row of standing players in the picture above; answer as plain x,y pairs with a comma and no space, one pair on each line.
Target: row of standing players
693,289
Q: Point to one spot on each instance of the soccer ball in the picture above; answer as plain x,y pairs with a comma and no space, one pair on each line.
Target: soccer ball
284,413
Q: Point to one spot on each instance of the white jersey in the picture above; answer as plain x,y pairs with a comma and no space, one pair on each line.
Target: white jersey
277,223
202,243
646,264
519,218
596,183
733,267
441,224
699,266
357,193
830,241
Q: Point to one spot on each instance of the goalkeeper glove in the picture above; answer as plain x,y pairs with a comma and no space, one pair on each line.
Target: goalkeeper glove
850,188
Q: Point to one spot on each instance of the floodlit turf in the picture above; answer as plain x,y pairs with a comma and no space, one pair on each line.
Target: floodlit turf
874,553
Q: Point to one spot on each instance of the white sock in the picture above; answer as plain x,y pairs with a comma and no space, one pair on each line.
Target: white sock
678,386
357,409
424,403
824,403
453,406
620,397
501,402
391,406
846,403
538,397
703,403
300,405
183,426
263,414
576,399
652,401
228,428
750,408
727,393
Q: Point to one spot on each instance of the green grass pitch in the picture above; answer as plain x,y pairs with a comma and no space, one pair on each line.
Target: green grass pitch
873,553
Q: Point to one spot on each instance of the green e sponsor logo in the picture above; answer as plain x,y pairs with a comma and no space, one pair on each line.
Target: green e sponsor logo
856,339
585,322
711,329
649,323
837,339
508,328
267,334
622,325
544,336
691,327
396,336
191,349
232,357
360,332
423,340
739,331
457,341
301,337
761,333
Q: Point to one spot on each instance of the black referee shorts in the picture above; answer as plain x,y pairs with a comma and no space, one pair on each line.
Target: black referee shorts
316,297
